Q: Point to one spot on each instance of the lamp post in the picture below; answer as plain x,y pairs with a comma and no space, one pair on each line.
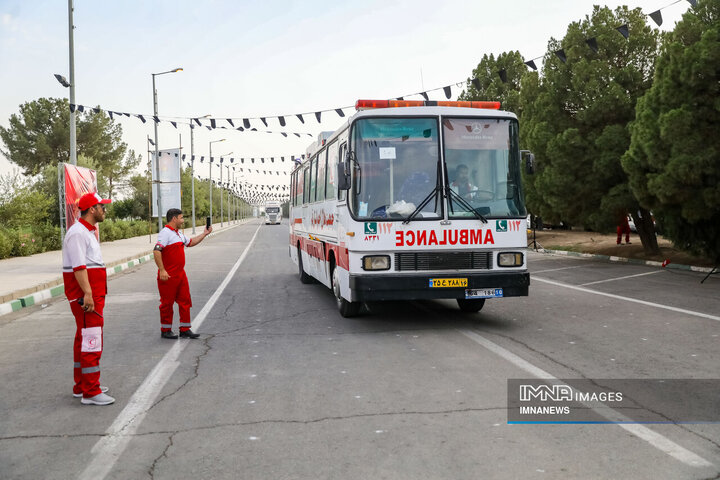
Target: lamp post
211,180
221,189
157,160
192,171
71,27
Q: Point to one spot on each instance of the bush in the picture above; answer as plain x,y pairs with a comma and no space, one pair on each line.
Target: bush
5,244
23,243
44,237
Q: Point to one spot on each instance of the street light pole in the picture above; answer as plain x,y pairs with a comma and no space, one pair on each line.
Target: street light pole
192,175
192,171
71,27
221,193
211,180
157,159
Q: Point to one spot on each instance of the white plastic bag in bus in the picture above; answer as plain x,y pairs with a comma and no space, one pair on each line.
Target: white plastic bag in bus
401,207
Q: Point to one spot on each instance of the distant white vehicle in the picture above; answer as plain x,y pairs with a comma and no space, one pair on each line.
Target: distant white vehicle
273,213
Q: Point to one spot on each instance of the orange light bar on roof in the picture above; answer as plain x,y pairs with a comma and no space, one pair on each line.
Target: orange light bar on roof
364,104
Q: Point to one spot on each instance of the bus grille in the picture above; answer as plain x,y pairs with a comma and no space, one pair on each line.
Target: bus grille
443,261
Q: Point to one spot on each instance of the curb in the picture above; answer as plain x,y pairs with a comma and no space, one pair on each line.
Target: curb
633,261
37,297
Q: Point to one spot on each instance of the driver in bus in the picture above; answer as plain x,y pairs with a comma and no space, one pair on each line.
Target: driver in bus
461,185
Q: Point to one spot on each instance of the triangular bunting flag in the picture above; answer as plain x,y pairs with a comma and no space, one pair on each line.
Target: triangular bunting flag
624,31
339,112
592,43
657,17
561,55
317,116
448,92
300,117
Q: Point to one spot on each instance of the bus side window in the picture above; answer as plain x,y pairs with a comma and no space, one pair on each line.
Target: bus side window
343,150
313,178
332,161
306,188
322,162
298,187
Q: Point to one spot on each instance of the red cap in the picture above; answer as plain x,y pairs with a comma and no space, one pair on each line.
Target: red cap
90,200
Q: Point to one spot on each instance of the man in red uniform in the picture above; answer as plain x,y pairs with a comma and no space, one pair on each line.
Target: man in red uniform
85,281
172,281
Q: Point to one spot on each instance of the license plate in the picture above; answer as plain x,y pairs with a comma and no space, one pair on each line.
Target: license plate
483,292
448,282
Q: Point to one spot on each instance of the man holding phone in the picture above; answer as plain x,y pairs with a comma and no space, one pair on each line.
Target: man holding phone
169,253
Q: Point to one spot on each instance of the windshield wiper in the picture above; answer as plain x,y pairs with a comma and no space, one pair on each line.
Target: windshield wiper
422,204
466,205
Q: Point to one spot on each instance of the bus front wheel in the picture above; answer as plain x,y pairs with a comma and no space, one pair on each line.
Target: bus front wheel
304,277
347,309
473,305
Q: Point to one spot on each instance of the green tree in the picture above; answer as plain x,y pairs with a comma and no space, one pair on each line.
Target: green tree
673,160
491,86
39,136
577,125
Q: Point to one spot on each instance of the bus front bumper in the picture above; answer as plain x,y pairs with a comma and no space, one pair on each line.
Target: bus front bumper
417,286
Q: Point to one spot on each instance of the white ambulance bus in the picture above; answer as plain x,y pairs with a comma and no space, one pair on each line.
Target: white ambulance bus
413,200
273,212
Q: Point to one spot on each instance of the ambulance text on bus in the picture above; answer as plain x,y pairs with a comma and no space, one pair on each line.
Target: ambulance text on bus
413,200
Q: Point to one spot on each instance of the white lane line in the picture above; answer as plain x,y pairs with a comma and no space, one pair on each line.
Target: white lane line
557,269
621,278
628,299
106,452
658,441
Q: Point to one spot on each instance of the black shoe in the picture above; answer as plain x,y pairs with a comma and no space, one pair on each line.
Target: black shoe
188,334
169,335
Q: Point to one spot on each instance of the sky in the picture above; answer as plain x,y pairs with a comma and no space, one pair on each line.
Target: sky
248,59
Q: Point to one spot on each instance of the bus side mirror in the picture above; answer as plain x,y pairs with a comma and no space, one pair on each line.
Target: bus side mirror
530,163
343,176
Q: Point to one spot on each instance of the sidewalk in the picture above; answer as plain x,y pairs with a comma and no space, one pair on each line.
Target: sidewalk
21,277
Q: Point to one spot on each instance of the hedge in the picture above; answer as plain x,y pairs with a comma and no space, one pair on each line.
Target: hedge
19,242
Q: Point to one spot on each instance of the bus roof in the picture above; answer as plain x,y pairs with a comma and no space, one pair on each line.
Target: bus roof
407,112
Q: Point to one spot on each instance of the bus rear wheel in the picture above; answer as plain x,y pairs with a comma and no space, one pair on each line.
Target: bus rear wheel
472,305
346,309
304,277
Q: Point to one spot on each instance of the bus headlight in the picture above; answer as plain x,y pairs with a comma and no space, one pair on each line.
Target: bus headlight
510,259
376,262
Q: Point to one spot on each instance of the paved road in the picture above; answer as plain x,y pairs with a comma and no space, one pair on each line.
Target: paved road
281,387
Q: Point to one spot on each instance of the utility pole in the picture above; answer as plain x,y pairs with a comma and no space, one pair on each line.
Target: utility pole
71,27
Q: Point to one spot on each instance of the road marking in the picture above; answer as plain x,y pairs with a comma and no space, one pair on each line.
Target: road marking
106,452
557,269
658,441
628,299
621,278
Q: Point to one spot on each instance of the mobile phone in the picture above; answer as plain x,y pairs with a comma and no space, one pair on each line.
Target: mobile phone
207,223
81,301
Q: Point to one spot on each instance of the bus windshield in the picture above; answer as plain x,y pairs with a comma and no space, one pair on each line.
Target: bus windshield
483,167
396,168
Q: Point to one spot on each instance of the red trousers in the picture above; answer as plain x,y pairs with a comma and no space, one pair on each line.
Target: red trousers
175,289
87,364
623,229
